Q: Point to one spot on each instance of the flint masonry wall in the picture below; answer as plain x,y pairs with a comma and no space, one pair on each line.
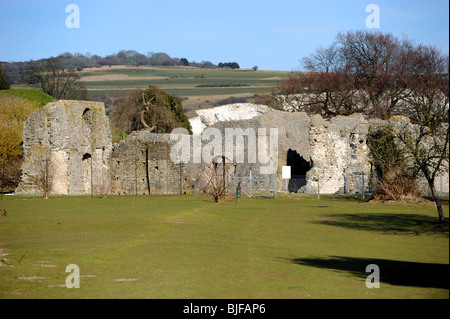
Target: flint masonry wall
141,165
339,154
332,152
76,137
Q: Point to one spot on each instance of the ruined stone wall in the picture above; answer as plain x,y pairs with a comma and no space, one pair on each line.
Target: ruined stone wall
76,137
340,155
141,165
332,155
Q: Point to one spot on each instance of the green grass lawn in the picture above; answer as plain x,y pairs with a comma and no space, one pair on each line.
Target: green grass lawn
190,247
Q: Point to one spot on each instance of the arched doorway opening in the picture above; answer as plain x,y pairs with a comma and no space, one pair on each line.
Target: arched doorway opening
299,168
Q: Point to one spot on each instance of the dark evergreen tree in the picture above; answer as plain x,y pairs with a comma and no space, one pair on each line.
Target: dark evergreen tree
4,84
184,62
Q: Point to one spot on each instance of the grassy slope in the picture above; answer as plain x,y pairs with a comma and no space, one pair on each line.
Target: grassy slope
32,95
189,247
181,81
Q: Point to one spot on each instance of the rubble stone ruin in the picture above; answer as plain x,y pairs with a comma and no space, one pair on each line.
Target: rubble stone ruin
75,138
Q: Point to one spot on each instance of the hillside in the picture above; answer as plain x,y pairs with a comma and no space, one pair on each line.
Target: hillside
197,87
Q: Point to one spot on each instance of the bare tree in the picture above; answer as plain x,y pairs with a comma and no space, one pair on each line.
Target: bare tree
58,81
146,108
361,72
104,186
426,141
392,179
44,177
380,75
216,185
371,57
293,94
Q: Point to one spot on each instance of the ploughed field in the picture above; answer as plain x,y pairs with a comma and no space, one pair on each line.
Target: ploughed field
198,88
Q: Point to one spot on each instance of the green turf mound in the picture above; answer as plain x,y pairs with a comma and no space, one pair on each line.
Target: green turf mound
33,95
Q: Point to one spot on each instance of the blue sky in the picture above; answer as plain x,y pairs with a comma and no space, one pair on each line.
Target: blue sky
272,34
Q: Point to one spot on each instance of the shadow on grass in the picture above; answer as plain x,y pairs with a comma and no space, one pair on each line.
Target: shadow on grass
399,273
388,223
444,200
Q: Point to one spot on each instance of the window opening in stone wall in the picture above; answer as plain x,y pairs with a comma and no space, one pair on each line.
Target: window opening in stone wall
87,116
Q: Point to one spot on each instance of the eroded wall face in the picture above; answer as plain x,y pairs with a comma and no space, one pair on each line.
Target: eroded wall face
340,155
142,166
75,136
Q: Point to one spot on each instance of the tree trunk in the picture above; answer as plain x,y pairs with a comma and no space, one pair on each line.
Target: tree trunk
437,200
150,129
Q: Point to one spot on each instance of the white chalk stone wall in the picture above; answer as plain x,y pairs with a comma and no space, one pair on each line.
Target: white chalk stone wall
340,155
225,113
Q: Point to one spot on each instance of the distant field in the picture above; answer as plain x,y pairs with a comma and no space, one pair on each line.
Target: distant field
184,82
198,88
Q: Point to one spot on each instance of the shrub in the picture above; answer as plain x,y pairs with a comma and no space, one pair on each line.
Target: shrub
150,109
216,186
393,180
13,112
